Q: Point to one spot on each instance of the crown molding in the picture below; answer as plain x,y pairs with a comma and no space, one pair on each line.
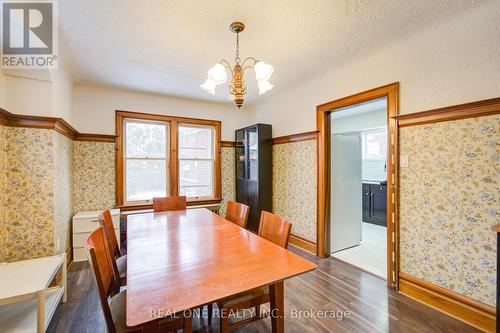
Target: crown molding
95,137
296,137
455,112
57,124
228,144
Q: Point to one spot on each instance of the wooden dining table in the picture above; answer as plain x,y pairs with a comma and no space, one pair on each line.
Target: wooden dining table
180,260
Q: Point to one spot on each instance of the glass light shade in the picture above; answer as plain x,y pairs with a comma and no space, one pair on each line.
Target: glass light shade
263,71
217,74
209,86
264,86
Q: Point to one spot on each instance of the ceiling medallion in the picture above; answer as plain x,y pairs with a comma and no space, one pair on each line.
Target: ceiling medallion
217,74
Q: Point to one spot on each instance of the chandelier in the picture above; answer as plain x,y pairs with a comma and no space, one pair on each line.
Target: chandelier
238,88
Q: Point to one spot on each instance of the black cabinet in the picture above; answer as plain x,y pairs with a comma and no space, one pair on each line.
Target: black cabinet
254,170
375,204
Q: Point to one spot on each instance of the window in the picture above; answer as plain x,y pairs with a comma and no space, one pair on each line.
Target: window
164,156
146,160
375,145
374,150
196,161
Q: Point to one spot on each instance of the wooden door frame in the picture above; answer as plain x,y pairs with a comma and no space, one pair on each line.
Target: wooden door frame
391,91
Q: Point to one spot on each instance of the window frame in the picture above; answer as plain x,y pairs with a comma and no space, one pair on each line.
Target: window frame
172,154
212,159
125,158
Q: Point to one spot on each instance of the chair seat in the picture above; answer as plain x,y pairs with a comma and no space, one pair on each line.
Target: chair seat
244,296
121,263
117,308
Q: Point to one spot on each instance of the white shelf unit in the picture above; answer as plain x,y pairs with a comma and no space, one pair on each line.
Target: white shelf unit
86,222
27,303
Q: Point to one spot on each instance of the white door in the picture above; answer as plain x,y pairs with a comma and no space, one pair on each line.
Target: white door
346,204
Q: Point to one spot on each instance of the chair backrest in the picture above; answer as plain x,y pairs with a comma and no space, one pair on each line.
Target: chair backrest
169,203
111,244
274,229
237,213
103,272
106,222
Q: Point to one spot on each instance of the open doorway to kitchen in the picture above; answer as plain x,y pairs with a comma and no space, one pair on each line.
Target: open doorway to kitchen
358,173
333,181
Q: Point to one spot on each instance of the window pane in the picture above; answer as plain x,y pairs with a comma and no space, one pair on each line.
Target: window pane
375,145
253,152
240,154
195,142
145,179
195,178
146,139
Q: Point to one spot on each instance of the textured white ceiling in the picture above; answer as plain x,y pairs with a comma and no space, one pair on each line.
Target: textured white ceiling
167,47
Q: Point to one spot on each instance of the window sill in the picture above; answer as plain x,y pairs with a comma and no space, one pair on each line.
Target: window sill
125,208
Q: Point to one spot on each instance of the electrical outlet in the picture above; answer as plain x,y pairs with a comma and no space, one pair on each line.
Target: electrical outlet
403,160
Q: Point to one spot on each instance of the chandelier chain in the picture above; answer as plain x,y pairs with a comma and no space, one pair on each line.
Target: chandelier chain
237,59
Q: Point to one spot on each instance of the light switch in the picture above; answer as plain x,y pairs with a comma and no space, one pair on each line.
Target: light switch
403,160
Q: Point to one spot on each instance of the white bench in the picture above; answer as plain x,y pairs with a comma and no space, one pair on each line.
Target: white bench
27,303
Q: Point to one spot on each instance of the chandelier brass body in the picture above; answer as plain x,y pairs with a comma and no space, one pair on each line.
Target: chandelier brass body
238,88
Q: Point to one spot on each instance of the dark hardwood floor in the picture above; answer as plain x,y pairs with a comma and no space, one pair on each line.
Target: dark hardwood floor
365,301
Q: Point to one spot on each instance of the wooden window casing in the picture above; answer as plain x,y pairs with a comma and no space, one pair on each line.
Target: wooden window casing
173,180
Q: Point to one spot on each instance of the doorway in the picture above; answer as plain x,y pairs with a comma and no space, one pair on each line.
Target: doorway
324,113
358,173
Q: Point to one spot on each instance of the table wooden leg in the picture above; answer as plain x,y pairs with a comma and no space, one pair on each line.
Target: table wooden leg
277,298
64,277
210,314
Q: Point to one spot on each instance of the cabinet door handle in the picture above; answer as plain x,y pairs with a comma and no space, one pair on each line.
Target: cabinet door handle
371,205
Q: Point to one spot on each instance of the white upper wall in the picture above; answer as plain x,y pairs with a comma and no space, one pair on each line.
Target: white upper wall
455,62
21,95
94,109
37,92
62,90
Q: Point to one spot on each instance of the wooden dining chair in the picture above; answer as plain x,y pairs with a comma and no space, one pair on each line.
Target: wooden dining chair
277,230
166,204
237,213
118,261
113,305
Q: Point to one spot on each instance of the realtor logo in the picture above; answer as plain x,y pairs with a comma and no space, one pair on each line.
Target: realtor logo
29,34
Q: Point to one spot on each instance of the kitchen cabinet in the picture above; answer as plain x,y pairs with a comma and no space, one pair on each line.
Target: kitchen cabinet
375,204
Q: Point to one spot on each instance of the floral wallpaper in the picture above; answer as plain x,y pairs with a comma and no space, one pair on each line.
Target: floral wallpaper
3,226
228,177
63,194
294,185
449,200
29,188
93,175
